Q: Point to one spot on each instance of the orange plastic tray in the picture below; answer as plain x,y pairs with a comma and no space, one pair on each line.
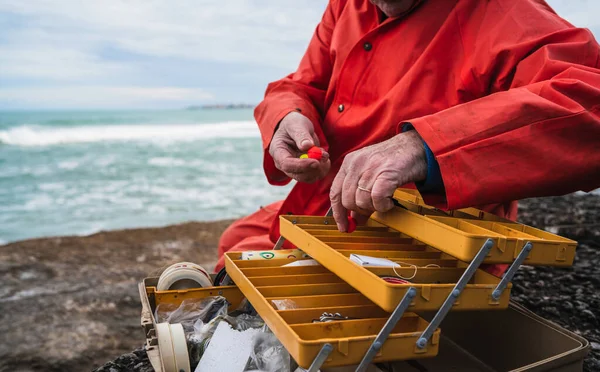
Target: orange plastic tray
413,201
315,290
462,238
433,284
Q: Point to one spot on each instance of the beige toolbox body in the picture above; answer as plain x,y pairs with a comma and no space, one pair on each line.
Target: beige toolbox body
510,340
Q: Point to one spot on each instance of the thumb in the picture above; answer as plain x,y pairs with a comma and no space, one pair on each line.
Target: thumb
302,136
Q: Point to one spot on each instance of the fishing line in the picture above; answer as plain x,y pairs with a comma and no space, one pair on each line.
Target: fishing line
415,267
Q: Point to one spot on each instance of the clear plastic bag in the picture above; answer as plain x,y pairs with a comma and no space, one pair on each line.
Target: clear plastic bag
199,318
202,331
243,322
191,310
285,304
199,338
245,307
268,354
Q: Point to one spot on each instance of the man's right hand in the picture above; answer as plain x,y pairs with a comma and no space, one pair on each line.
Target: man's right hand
293,137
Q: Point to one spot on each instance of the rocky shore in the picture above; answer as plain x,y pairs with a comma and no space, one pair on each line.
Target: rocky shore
567,296
71,303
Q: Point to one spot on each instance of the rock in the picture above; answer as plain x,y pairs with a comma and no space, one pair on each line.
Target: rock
551,311
136,361
72,303
567,305
589,314
568,296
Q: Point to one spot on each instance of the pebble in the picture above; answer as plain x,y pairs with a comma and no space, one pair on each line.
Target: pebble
552,311
567,305
589,314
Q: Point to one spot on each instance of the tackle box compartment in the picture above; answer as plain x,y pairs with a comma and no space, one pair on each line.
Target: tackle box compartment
434,278
463,238
315,290
461,233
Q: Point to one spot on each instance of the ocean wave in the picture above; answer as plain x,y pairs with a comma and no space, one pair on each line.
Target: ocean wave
31,135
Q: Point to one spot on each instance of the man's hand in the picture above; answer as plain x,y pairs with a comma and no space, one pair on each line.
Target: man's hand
369,176
294,136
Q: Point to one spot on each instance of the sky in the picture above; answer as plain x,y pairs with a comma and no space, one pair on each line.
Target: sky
79,54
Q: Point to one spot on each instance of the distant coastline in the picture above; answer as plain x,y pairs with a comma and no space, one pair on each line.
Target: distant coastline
228,106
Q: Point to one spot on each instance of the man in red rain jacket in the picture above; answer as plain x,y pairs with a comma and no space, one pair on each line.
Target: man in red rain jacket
478,103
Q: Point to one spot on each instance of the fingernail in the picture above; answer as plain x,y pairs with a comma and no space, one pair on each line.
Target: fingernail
341,228
314,165
306,143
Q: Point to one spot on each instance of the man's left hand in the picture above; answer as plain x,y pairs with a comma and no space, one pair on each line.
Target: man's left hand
369,176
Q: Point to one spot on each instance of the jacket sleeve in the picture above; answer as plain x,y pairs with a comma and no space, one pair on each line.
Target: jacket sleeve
303,90
536,134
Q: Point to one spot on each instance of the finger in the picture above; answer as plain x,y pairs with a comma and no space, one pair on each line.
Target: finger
381,193
279,152
294,165
349,190
287,163
312,175
324,168
315,139
361,219
304,177
364,200
302,136
309,176
363,197
340,214
276,142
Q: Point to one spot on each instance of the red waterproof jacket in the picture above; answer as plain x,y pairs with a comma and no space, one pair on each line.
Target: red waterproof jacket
505,93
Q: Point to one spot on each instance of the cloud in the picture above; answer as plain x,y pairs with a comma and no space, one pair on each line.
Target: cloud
581,13
55,63
262,32
212,50
141,43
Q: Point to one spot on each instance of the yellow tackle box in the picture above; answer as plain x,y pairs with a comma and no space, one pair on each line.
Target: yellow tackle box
338,312
314,290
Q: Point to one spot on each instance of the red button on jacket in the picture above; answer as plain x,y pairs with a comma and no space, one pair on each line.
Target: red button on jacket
505,93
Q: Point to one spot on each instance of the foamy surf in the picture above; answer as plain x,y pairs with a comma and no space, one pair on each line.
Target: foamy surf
31,135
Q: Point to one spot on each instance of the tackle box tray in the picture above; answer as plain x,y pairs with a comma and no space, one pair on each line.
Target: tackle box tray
412,200
463,237
319,238
315,290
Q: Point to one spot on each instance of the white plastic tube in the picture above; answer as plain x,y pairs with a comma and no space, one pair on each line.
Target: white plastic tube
184,275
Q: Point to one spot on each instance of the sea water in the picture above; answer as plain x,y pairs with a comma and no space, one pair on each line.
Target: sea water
79,172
